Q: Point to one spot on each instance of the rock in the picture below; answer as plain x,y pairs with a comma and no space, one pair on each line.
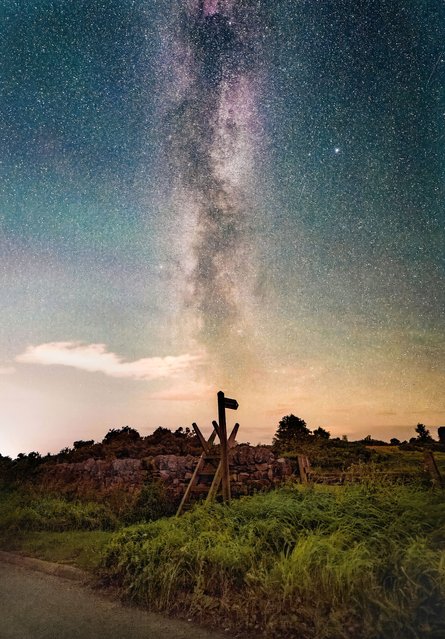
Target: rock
251,468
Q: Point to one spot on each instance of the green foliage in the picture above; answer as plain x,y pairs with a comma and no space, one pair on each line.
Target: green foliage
82,548
356,561
153,502
330,455
291,432
23,511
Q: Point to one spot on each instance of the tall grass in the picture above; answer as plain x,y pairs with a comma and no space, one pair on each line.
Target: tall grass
362,561
23,511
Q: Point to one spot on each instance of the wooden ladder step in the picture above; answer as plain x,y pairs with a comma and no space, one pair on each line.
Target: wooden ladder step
200,488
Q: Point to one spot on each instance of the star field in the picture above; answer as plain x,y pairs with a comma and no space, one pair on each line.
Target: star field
253,190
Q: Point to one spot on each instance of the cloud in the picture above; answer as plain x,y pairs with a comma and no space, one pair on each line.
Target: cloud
7,370
96,359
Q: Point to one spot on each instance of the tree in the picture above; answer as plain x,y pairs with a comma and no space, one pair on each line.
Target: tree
321,433
126,433
423,434
291,431
83,443
394,441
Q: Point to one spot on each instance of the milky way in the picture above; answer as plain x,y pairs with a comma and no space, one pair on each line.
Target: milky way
212,129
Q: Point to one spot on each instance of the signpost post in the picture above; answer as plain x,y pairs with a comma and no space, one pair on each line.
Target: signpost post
223,403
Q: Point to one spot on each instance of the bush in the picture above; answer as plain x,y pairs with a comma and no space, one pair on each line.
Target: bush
356,561
153,502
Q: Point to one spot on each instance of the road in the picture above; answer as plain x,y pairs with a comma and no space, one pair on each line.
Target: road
34,605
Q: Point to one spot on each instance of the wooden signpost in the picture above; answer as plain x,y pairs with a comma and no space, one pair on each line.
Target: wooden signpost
223,403
211,464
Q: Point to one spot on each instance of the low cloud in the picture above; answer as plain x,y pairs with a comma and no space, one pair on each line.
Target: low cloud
7,370
95,358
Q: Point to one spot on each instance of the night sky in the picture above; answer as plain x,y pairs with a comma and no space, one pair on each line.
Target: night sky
236,194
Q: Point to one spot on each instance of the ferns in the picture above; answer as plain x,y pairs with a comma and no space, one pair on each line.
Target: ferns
327,562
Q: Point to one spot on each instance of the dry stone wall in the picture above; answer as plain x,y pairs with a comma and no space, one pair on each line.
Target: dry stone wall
251,468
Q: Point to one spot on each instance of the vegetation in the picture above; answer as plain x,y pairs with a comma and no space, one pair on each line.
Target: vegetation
359,560
28,510
82,548
291,432
423,434
355,561
118,443
24,511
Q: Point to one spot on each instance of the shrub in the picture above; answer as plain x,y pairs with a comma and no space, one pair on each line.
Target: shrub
153,502
356,561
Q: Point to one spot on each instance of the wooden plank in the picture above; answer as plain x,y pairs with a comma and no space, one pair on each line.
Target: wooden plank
200,436
216,427
202,489
191,483
303,468
233,435
215,484
195,475
218,475
231,403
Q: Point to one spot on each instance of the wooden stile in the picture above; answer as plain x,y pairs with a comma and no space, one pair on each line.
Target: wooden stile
210,463
199,465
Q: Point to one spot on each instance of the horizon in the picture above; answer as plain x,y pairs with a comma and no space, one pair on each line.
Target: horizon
204,195
405,434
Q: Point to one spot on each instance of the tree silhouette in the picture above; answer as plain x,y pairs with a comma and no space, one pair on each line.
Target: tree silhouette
423,434
126,433
321,433
291,431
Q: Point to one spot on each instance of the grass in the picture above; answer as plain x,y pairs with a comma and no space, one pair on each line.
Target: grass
323,562
70,531
393,459
55,529
75,547
23,511
354,561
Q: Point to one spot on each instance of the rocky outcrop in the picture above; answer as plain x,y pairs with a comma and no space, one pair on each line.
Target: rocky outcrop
251,468
94,475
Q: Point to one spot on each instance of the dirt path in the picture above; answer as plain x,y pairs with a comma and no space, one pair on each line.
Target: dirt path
34,605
